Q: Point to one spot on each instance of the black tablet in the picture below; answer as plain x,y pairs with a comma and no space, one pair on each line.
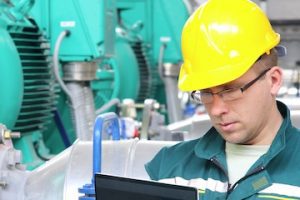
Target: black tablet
120,188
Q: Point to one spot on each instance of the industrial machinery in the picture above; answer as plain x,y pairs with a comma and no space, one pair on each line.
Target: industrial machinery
28,86
67,61
38,42
62,65
66,173
79,45
32,40
141,60
71,59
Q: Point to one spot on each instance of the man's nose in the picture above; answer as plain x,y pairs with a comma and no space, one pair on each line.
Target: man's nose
218,106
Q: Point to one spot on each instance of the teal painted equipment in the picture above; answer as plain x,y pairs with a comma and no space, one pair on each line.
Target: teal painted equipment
91,25
124,37
143,26
147,25
11,81
27,81
126,62
88,41
155,22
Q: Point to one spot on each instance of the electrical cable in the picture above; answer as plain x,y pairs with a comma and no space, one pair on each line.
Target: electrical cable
58,42
36,149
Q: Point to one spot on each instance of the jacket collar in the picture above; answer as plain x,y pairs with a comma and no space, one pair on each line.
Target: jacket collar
279,141
210,145
213,145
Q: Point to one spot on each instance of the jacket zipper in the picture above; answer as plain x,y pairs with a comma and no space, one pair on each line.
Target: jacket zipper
216,162
255,171
229,188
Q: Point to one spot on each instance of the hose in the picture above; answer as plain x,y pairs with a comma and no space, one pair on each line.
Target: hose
58,42
108,105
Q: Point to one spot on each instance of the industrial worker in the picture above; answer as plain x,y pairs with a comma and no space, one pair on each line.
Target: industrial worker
230,66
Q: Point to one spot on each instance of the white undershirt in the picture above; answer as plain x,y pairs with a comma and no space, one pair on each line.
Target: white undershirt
241,157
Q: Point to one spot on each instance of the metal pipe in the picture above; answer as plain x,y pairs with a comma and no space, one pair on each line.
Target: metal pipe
83,109
97,138
170,80
80,95
175,113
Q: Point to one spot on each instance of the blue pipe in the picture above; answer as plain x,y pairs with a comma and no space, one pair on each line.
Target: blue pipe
101,120
97,138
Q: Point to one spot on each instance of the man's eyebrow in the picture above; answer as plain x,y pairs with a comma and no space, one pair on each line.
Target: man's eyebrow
236,83
231,85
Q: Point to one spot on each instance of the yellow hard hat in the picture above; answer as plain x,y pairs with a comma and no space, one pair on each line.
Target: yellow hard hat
221,40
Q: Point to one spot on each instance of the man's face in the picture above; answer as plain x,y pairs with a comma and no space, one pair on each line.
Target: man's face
245,120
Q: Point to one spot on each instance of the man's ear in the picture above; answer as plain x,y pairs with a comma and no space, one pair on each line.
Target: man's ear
275,77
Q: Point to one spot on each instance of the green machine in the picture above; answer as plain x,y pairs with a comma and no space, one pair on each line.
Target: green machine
27,85
66,37
143,29
152,29
99,51
82,44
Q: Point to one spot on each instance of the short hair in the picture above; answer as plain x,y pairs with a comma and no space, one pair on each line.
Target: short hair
267,60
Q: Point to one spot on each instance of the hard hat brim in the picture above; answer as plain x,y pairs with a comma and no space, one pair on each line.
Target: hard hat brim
191,82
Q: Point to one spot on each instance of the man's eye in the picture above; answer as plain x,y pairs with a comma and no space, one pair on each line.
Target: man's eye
229,88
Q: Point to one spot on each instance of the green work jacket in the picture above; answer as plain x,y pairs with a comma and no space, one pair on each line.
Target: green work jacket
201,163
